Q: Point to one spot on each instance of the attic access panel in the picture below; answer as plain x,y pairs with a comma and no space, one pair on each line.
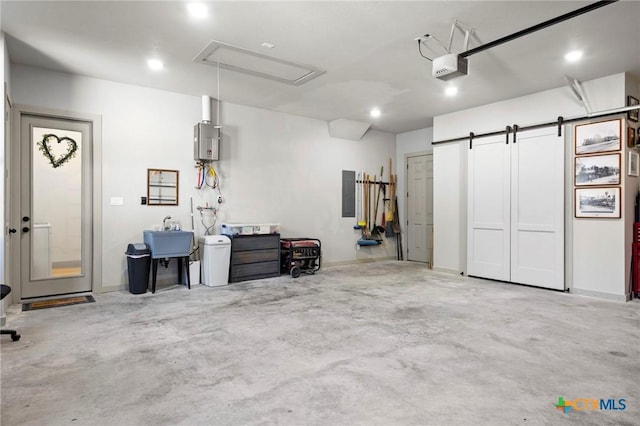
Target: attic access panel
247,61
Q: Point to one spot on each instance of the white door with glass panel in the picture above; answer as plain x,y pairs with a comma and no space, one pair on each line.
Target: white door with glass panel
55,204
515,229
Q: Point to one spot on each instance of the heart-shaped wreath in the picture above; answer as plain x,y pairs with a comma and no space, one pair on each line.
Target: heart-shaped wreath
45,148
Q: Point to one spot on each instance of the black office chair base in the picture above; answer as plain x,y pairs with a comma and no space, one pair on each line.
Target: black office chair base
14,334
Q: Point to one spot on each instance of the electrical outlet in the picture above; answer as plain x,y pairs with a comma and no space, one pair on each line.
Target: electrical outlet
143,200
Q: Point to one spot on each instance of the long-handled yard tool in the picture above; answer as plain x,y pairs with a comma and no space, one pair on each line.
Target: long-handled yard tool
388,232
362,219
366,240
358,206
396,229
375,232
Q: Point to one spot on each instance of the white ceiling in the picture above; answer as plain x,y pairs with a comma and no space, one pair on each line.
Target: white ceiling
367,49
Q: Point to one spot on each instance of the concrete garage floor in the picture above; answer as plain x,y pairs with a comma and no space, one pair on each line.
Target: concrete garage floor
373,344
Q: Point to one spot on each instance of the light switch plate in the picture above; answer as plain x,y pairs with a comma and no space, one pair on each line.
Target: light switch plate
117,201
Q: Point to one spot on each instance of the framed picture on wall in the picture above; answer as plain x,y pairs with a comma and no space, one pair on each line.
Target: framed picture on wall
598,202
632,115
597,170
601,136
631,137
633,164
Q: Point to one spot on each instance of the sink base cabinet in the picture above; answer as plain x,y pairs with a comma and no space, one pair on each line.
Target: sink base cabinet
254,257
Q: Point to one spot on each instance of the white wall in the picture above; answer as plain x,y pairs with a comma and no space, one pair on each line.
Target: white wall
450,182
274,167
4,59
414,142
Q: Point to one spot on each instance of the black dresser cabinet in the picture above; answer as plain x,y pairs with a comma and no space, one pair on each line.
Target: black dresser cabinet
254,257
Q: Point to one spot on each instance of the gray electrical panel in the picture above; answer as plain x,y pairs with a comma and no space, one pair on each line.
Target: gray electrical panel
206,142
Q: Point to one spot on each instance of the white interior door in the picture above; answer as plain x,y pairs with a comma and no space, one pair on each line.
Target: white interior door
419,207
55,206
537,209
489,209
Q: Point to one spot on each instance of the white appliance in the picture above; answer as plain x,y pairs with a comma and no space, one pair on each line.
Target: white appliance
449,66
41,251
215,254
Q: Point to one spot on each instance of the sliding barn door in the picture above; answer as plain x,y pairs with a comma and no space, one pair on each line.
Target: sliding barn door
488,214
515,225
537,209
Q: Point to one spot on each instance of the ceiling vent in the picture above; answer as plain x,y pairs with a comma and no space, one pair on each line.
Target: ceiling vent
247,61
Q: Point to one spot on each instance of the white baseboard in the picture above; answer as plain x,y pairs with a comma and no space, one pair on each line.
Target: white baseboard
110,288
601,295
446,271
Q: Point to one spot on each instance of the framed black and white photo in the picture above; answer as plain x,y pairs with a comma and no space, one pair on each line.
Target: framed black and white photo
597,202
597,170
632,115
633,164
601,136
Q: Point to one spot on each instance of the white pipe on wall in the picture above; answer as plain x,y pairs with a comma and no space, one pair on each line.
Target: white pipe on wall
206,109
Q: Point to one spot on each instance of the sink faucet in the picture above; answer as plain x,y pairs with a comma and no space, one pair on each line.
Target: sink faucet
164,223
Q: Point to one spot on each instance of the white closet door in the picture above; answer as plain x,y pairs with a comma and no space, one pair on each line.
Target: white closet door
537,209
488,216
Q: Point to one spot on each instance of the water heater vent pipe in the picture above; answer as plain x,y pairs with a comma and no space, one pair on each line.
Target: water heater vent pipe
206,109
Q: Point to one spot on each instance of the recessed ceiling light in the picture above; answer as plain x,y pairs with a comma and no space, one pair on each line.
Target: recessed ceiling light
155,64
375,113
451,91
197,10
268,45
573,56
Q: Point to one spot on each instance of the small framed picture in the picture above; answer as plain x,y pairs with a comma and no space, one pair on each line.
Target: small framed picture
598,202
633,164
632,115
600,136
631,137
597,170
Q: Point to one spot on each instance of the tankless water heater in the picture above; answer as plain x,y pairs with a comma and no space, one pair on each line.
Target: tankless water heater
206,142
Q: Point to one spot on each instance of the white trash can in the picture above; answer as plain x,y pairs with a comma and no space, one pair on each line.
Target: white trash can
215,253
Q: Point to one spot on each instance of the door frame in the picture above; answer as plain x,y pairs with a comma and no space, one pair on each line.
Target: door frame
404,206
6,137
96,202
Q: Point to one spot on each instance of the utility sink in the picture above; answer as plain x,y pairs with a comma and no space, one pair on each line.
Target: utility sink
168,243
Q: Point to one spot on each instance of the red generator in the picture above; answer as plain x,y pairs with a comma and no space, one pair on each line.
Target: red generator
299,255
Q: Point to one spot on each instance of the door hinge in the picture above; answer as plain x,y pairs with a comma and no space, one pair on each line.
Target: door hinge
407,194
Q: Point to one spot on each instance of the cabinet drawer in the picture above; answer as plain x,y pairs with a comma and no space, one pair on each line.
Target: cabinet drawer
256,270
255,242
253,256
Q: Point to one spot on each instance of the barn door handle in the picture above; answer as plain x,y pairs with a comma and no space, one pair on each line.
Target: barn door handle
25,229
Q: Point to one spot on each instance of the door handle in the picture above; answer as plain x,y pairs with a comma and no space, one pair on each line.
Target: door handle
12,230
25,229
25,219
